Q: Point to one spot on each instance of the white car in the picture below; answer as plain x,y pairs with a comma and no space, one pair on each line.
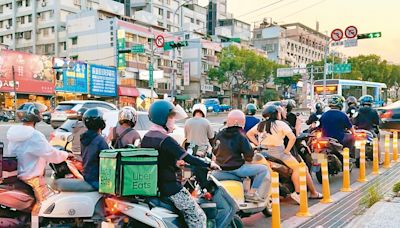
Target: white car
67,109
143,124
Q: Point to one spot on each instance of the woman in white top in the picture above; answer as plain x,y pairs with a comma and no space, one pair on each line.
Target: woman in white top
271,133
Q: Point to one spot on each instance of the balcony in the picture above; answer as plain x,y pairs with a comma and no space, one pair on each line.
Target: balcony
139,3
137,65
211,58
167,70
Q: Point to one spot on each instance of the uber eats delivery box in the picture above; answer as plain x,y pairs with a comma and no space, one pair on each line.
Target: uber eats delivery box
128,172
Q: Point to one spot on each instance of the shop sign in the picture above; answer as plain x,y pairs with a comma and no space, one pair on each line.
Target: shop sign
32,73
121,58
71,76
207,88
103,80
186,73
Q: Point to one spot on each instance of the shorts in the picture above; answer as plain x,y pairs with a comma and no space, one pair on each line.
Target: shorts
40,188
279,153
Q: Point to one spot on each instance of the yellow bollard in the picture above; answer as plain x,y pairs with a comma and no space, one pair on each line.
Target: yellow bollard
326,192
303,209
276,210
346,171
395,150
375,162
361,177
386,163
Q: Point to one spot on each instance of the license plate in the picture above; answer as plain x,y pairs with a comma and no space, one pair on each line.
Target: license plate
59,116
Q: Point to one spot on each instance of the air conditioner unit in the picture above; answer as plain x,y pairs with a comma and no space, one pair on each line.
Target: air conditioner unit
8,26
38,15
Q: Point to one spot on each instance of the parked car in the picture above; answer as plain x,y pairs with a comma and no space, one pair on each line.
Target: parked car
225,108
212,104
60,135
67,109
390,116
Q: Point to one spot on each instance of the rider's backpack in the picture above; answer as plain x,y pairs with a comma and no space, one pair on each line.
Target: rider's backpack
116,142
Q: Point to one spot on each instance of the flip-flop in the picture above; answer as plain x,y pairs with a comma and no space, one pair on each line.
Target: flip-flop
319,196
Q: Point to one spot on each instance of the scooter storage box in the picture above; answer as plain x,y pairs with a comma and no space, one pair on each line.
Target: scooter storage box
128,172
8,167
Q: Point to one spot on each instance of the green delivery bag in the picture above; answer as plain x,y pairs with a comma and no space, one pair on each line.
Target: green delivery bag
128,172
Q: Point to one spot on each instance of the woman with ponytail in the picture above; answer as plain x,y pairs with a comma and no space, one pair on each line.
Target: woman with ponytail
270,134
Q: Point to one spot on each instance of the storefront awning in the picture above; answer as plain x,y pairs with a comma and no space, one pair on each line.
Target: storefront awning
128,91
147,93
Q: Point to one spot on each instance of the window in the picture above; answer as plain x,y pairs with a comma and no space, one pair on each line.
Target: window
64,45
30,18
74,57
168,14
27,35
45,32
160,24
52,29
1,24
160,12
19,3
191,20
9,22
169,2
1,39
1,8
74,40
22,19
258,36
27,3
198,22
51,13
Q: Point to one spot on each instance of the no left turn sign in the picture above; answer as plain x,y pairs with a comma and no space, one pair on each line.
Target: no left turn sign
159,41
337,34
351,32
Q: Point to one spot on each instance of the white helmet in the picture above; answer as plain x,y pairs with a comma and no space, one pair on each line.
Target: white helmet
127,114
200,107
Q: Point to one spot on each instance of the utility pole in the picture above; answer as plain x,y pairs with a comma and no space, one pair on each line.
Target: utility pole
151,69
325,65
312,84
15,89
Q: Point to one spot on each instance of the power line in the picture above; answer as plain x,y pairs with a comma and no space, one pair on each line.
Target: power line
299,11
253,11
276,8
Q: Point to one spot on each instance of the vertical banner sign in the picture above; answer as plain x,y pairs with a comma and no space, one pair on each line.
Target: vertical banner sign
103,81
120,46
151,77
186,73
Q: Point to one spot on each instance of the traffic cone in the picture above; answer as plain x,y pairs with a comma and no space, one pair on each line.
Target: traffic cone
386,163
375,162
326,192
346,171
276,210
361,177
395,147
303,209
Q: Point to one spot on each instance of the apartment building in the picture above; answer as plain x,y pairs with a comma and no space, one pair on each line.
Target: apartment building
293,44
233,28
39,26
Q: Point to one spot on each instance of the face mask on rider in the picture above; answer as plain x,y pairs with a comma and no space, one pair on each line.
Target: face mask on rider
170,124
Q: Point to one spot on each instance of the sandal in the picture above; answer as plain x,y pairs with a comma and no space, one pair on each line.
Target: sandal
319,196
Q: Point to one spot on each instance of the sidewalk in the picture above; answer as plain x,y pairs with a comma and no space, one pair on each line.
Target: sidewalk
382,214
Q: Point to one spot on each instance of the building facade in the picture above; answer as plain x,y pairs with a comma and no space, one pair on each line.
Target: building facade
292,44
39,26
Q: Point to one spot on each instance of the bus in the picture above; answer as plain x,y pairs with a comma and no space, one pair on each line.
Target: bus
354,88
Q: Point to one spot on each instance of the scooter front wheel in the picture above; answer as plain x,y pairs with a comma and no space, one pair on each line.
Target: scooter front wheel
268,209
236,222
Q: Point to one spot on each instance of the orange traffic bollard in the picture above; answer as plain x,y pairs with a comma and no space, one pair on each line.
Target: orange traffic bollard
276,208
303,209
326,192
375,162
395,150
346,171
386,163
361,177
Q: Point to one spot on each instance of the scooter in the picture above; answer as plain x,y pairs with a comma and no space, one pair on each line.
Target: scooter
237,187
367,137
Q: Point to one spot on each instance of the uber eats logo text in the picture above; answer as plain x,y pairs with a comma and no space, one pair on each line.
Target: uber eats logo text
141,181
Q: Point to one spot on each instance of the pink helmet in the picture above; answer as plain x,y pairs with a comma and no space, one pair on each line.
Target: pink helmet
236,118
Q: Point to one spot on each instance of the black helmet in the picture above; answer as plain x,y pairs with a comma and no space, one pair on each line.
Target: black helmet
251,109
79,114
160,111
270,111
31,112
93,119
319,107
351,101
366,100
336,101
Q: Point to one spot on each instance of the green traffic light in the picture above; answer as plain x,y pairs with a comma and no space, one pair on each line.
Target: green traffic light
369,35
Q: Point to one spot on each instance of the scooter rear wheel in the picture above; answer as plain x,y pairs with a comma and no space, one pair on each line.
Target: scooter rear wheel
268,209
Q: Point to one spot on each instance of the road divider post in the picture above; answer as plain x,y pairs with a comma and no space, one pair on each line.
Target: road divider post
375,161
276,210
361,177
346,171
303,209
386,163
326,192
395,150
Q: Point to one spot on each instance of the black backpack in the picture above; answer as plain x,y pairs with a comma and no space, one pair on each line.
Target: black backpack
116,142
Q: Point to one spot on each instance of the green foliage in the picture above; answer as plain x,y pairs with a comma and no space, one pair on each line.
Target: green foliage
371,196
270,95
396,187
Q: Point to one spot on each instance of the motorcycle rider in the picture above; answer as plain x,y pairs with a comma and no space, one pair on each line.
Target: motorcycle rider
124,134
77,130
32,150
291,118
271,133
314,117
352,106
163,113
335,123
233,154
367,118
251,120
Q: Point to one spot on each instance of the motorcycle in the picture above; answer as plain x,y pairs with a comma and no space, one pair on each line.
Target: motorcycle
236,187
367,137
302,149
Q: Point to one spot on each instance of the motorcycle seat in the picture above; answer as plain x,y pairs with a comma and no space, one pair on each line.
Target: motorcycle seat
223,175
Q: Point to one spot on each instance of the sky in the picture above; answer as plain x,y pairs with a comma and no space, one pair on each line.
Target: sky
367,15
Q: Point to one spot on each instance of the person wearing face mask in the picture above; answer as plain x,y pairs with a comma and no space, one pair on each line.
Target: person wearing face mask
163,113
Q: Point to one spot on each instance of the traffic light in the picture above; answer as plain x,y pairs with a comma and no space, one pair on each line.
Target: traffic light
369,35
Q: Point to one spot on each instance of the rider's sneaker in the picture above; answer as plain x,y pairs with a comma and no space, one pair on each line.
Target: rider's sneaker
296,197
255,198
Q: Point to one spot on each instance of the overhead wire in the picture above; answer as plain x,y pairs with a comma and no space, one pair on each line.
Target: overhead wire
266,6
276,8
301,10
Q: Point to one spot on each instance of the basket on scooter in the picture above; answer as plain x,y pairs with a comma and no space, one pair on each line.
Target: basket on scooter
128,172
